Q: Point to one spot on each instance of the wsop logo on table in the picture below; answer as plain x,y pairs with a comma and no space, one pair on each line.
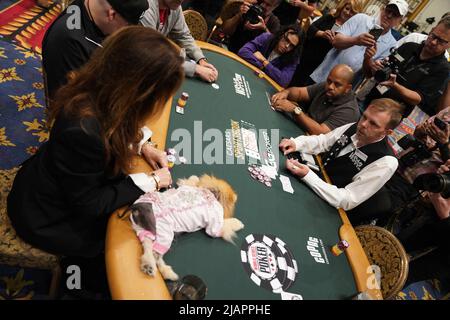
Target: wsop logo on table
241,86
312,245
270,264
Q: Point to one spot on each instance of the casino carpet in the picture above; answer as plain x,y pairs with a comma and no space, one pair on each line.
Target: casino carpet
25,23
22,124
22,130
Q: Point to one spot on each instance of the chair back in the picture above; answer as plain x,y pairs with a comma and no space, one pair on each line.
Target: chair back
197,24
385,251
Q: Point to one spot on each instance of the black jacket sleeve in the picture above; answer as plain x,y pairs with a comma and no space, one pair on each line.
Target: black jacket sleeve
80,164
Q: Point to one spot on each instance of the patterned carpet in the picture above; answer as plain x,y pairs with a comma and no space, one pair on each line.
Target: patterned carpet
25,23
23,130
22,104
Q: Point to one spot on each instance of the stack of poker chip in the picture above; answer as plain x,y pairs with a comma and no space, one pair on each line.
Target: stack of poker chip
257,173
340,247
183,99
269,262
171,158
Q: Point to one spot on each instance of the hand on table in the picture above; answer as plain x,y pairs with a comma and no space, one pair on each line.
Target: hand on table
154,157
206,73
284,105
165,178
282,95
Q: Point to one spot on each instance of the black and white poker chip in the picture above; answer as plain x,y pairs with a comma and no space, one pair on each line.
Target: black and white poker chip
268,263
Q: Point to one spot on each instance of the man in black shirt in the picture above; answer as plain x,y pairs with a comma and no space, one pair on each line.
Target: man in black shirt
79,30
422,75
241,31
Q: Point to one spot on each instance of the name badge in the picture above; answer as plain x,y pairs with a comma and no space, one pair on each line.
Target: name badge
361,155
382,89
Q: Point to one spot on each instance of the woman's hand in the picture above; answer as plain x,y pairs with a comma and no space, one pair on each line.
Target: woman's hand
154,157
165,178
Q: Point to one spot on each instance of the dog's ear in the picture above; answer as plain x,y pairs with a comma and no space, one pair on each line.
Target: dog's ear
142,214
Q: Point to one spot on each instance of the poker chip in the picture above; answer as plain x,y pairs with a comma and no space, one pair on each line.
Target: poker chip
263,263
215,86
171,151
183,160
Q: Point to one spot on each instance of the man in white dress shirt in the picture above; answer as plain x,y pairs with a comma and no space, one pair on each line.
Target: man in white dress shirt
357,159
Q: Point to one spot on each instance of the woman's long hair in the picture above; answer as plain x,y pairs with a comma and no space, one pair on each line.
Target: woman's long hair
293,55
123,84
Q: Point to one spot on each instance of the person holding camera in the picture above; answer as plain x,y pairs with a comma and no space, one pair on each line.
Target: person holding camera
277,54
332,103
254,18
423,154
358,33
166,16
433,234
414,74
356,157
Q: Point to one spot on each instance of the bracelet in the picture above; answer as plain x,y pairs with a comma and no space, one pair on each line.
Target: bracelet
157,180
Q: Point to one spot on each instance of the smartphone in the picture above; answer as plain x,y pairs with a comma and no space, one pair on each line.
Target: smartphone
440,124
295,155
376,32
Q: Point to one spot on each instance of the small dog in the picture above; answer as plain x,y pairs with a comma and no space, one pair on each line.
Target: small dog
205,202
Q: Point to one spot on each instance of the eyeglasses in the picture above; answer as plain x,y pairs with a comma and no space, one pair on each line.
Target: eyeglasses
440,41
289,43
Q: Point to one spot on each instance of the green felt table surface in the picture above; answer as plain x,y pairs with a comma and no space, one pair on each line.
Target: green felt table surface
294,218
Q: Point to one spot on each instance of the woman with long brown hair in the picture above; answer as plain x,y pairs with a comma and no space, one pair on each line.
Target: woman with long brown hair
62,197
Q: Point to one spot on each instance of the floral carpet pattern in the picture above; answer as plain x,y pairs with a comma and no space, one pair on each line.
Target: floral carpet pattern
22,104
23,129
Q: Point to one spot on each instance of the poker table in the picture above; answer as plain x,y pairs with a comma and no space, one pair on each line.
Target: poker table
306,225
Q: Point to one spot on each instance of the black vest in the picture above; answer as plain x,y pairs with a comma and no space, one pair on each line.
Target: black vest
341,170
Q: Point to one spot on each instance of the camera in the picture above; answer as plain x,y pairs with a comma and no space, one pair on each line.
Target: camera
434,182
393,64
253,13
419,152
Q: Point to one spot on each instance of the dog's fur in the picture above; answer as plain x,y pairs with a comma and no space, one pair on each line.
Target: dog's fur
226,196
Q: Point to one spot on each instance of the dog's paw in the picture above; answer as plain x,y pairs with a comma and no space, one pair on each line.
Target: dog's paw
148,269
148,265
235,224
168,273
230,226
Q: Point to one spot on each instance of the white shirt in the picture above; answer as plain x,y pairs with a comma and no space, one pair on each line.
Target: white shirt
364,184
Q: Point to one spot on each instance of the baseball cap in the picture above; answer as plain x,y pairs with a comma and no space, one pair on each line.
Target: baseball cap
401,5
130,10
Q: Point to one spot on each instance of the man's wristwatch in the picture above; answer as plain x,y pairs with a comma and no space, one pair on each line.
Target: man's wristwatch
298,111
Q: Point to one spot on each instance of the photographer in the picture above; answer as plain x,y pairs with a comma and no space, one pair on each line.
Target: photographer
415,74
426,152
435,233
254,18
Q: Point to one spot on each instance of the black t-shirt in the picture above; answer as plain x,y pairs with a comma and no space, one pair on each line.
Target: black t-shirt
68,45
426,77
314,50
242,35
288,13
